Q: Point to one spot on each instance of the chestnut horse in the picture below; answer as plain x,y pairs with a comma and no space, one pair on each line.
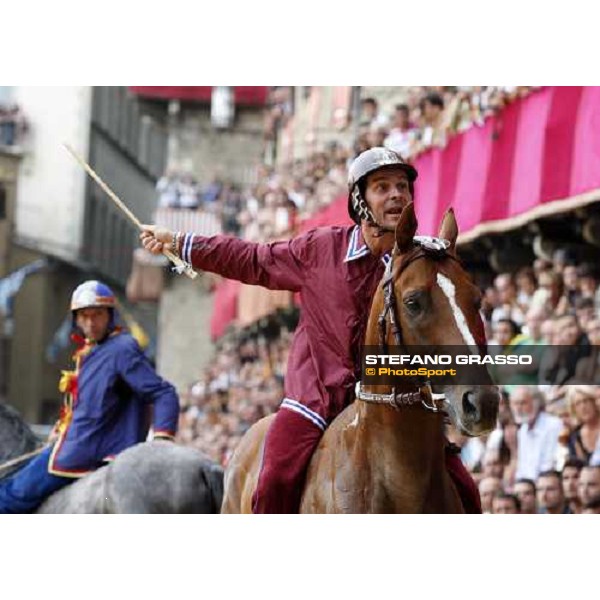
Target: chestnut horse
385,453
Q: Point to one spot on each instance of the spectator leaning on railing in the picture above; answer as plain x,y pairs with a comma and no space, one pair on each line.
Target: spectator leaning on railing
402,135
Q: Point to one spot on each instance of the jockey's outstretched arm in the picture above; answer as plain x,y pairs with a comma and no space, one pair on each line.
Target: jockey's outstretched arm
276,265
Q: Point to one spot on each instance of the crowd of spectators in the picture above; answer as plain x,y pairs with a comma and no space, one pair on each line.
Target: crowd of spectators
293,191
241,385
273,207
539,459
545,453
431,116
182,190
285,196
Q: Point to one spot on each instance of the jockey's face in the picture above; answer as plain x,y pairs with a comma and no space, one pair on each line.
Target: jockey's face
93,322
387,193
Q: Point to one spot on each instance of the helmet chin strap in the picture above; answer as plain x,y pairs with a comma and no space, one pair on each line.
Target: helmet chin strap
380,230
364,212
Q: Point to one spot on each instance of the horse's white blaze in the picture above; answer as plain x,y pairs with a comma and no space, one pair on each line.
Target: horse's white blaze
354,421
450,292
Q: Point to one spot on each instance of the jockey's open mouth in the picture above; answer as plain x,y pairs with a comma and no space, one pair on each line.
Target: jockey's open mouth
394,208
397,210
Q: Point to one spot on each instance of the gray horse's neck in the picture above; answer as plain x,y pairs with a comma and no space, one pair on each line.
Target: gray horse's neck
16,437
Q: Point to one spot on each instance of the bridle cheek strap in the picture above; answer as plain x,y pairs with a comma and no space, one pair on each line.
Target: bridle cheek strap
423,392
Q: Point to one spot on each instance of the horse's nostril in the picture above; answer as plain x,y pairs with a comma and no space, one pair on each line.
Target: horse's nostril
469,407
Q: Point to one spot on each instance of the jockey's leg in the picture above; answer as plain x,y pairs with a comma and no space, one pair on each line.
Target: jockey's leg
289,446
467,490
26,489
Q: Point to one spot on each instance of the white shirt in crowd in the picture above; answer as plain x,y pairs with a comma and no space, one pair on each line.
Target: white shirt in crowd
169,192
188,195
400,141
514,313
537,446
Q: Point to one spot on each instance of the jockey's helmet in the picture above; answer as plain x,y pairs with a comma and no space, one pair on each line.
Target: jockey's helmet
365,163
94,294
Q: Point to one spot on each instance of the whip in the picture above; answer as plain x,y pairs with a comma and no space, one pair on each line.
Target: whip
180,265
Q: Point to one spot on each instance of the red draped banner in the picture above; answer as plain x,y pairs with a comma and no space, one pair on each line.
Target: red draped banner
541,155
225,307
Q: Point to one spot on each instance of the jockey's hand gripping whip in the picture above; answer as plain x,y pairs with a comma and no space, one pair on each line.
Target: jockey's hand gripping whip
180,265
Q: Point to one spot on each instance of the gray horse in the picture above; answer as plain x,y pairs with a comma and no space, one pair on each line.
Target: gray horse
151,477
16,437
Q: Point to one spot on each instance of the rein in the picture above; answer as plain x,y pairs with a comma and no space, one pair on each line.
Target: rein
425,247
9,464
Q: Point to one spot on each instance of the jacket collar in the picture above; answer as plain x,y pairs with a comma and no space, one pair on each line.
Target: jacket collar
357,247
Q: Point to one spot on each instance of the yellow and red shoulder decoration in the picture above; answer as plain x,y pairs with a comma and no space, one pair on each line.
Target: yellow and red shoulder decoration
67,384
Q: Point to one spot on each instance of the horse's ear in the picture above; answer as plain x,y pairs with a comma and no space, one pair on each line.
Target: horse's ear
449,229
406,228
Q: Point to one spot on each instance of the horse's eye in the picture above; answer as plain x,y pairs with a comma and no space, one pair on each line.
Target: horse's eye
412,304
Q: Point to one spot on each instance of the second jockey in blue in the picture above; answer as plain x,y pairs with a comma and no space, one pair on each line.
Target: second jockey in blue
105,408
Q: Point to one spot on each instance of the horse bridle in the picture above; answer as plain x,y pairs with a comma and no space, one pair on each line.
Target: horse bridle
425,247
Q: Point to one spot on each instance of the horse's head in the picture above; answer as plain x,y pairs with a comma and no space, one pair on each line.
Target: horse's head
437,305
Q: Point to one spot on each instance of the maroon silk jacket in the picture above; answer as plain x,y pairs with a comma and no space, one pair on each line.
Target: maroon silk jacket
336,275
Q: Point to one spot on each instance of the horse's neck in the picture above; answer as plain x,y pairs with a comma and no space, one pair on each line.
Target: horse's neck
401,451
16,437
405,456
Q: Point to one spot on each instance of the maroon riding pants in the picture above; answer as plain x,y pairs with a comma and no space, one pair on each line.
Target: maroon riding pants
289,445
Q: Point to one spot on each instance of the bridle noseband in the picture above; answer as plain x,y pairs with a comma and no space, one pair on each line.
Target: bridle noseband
425,247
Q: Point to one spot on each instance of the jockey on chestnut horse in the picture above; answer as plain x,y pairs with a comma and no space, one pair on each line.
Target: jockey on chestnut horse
386,452
374,457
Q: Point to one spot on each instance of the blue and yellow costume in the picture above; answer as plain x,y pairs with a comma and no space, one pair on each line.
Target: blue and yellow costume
104,412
